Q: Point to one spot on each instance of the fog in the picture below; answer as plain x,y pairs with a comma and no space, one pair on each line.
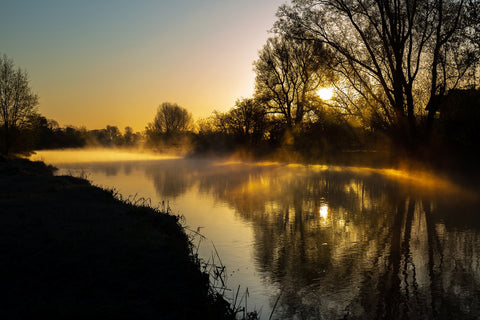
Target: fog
54,157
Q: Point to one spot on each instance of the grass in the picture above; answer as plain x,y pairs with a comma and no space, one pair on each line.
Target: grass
72,250
236,308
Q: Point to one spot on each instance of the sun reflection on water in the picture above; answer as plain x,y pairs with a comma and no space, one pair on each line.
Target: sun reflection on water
323,211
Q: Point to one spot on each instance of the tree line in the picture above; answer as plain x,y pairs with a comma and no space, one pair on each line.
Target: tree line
404,76
23,128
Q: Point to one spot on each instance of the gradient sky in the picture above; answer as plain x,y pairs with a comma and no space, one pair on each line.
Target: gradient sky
99,62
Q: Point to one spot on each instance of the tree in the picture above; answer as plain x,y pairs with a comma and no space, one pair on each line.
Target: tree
130,138
170,125
170,119
395,58
17,102
246,121
113,137
289,72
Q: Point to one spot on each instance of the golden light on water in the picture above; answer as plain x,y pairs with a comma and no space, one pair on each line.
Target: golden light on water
419,179
94,155
423,179
239,162
325,93
323,211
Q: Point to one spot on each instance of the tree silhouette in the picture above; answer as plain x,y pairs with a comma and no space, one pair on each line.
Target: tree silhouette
170,119
17,102
395,58
288,74
246,121
130,138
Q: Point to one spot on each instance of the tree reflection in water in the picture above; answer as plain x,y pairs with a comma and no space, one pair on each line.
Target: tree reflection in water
346,243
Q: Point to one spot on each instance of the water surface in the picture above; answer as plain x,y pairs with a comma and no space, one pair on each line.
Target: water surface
327,242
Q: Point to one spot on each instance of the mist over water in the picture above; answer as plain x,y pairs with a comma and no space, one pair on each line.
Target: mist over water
332,242
96,155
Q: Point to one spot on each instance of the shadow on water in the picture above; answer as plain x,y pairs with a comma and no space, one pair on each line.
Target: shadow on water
344,243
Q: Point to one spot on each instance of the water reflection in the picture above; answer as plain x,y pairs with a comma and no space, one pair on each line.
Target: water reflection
342,243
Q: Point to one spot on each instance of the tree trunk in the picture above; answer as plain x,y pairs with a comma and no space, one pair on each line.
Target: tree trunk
412,130
6,139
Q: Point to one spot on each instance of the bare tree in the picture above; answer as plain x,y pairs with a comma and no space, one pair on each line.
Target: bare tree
17,102
170,119
288,74
395,57
170,125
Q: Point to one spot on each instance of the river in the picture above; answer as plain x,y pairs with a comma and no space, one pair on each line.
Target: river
313,242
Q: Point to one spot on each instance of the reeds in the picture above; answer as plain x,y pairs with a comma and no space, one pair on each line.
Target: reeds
217,273
213,267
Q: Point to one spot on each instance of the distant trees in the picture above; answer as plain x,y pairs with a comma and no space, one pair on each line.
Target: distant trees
244,127
129,137
108,137
395,59
111,137
170,123
170,119
17,103
246,121
47,134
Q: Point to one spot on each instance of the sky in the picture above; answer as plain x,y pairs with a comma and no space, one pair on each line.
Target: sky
113,62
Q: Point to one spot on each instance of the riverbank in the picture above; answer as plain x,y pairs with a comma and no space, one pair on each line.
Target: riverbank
71,250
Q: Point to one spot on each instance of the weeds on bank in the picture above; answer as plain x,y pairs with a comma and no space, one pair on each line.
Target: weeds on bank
81,174
213,267
217,273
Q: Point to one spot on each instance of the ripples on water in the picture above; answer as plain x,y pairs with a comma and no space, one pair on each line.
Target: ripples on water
353,243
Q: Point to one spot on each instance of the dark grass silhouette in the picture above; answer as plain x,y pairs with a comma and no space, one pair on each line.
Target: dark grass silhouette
71,250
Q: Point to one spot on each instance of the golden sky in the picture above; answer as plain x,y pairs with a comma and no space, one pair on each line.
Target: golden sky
100,62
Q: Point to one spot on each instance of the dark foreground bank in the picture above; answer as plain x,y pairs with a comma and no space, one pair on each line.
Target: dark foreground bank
71,250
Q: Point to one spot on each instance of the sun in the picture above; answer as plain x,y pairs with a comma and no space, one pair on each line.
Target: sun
325,93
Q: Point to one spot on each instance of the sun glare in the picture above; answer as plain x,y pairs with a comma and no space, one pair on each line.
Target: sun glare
325,93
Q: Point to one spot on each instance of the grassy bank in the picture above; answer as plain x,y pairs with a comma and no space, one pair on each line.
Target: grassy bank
71,250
